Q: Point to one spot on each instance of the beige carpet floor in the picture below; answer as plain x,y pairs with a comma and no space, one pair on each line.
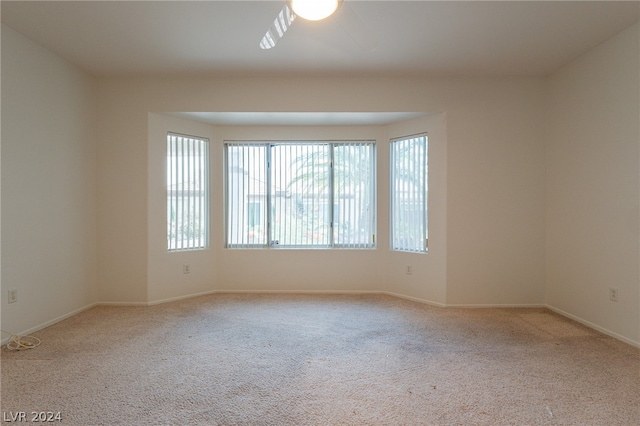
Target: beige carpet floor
240,359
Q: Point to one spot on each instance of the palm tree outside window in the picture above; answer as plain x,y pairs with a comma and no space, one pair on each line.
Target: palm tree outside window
305,194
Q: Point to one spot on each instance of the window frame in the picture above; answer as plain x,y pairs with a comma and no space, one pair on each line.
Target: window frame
422,193
201,198
268,210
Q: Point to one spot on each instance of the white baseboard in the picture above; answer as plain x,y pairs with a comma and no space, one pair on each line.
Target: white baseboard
356,292
48,323
594,326
346,292
175,299
206,293
414,299
122,304
496,306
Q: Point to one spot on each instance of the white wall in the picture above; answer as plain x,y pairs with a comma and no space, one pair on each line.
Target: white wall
496,194
428,280
491,218
492,205
48,185
592,185
165,279
297,270
122,200
219,269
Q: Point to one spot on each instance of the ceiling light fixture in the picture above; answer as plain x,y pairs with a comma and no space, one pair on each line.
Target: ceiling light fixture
314,10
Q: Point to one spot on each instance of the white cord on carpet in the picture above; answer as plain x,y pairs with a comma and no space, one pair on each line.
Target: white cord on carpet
19,343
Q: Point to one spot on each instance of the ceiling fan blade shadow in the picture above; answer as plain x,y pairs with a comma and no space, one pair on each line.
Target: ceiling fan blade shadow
356,28
278,28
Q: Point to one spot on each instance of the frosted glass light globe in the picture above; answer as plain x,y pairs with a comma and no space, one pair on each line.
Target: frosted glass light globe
314,10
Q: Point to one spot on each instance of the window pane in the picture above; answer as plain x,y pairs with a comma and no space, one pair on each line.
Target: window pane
409,194
187,192
300,179
289,194
354,203
246,195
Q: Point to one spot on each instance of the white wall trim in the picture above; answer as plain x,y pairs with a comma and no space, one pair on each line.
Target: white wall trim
48,323
175,299
496,305
594,326
122,303
345,292
354,292
414,299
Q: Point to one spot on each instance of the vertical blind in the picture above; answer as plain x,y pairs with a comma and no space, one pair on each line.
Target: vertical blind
246,194
354,195
300,194
409,189
187,192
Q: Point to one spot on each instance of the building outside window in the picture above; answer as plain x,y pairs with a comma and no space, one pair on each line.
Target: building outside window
300,194
187,192
409,194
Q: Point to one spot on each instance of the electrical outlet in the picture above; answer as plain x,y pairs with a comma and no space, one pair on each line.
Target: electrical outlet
409,270
186,269
13,296
613,294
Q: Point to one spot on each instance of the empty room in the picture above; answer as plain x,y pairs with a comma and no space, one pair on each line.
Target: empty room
391,212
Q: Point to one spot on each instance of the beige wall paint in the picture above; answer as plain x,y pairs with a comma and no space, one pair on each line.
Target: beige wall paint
297,270
122,200
220,269
492,221
165,279
428,280
492,215
496,194
48,185
592,186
